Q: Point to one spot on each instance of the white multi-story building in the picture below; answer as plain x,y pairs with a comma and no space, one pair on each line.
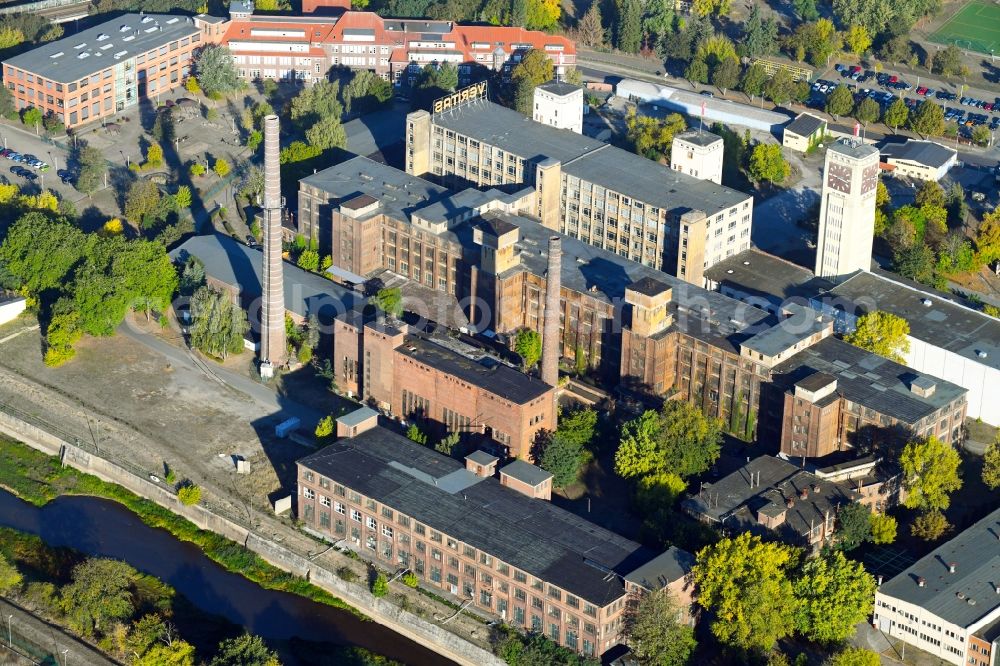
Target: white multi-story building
699,154
847,209
560,105
948,602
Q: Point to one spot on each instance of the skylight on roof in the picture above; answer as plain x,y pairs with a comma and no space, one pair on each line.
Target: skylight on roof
152,29
146,19
83,55
57,55
120,54
101,37
172,21
80,45
107,46
128,39
124,28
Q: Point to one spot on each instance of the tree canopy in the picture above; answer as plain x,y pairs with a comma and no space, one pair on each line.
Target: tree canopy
218,325
744,582
653,632
216,71
562,456
930,473
882,333
833,595
101,593
389,300
245,650
678,439
768,164
528,345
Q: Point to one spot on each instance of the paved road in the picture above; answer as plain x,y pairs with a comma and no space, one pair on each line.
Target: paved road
39,637
268,400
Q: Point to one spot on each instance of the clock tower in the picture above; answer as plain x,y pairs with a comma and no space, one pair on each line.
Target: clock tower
847,209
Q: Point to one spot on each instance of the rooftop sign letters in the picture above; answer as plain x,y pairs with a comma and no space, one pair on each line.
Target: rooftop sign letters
473,92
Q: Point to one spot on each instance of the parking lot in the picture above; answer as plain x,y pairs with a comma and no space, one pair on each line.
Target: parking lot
886,88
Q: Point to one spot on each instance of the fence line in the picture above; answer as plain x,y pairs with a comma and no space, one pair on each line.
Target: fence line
32,7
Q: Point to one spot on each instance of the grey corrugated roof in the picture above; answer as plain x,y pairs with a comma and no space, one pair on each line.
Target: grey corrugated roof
559,88
805,124
398,192
927,153
529,534
663,570
480,457
487,373
69,67
357,417
976,556
236,264
525,472
868,379
943,323
804,323
759,273
852,148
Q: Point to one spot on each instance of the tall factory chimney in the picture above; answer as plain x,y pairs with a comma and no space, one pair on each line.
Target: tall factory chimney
273,347
551,340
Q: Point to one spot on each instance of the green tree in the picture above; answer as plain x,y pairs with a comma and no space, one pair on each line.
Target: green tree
897,114
840,101
321,100
380,586
991,465
93,168
629,25
929,119
896,49
697,71
448,444
308,260
535,66
883,528
100,593
744,582
656,494
562,457
817,41
144,633
519,13
528,345
882,333
327,133
218,324
652,137
183,197
10,577
141,202
981,135
760,35
216,71
915,262
653,632
175,653
857,39
524,96
867,111
854,525
726,74
768,164
298,151
31,117
930,194
39,253
325,428
949,61
930,473
542,14
778,88
854,656
415,434
254,139
62,333
930,525
679,439
754,79
389,301
833,595
590,30
189,494
578,425
246,650
806,9
221,167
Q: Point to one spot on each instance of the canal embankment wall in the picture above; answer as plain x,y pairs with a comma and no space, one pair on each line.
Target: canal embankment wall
384,612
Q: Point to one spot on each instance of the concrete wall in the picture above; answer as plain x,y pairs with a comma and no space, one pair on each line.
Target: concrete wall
403,622
9,310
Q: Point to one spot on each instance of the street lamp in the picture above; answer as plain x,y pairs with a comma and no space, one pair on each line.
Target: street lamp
10,632
65,654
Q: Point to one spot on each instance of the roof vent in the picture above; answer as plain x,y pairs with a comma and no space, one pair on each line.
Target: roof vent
960,595
981,353
729,271
789,503
746,263
815,487
804,493
927,302
971,601
921,581
951,567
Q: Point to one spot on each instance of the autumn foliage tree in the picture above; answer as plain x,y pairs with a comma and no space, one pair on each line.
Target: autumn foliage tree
930,473
882,333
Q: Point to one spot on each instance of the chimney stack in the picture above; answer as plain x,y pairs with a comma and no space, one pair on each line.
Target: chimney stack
921,581
272,334
951,567
551,340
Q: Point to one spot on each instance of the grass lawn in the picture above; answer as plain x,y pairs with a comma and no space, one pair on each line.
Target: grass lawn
975,27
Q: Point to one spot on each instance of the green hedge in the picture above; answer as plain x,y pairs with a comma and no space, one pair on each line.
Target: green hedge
38,479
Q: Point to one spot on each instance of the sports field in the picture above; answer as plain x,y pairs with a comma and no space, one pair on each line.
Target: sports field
975,27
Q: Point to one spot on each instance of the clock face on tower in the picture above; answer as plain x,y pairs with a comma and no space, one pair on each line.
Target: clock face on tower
869,179
838,177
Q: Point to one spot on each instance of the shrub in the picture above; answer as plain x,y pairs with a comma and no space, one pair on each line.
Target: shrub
196,169
411,580
347,574
380,586
305,354
189,495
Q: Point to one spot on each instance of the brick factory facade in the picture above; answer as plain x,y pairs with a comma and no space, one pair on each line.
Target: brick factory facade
105,70
493,543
